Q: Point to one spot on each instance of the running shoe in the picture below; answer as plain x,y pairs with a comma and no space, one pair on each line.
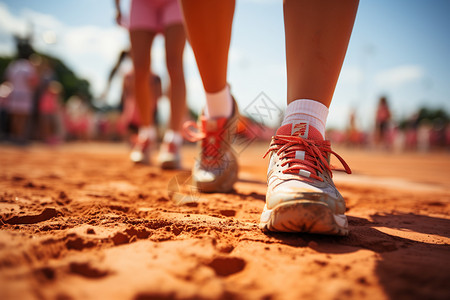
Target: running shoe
301,195
140,153
169,156
215,170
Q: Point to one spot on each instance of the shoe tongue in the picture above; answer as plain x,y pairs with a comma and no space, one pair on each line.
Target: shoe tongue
301,129
212,125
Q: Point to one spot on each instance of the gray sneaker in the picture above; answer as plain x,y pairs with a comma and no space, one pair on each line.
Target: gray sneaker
301,195
216,168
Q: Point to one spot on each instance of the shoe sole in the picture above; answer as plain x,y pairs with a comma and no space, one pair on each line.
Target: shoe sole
303,216
224,185
170,165
208,187
140,162
138,158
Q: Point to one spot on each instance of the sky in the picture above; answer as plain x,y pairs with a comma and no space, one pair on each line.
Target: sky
398,48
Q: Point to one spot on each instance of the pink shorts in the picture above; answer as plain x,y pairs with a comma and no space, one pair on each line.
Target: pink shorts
154,15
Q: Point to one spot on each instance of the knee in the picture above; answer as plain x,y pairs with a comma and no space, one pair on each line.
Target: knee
175,68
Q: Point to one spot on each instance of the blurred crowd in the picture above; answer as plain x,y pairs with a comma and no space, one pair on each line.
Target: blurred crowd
33,106
30,100
424,130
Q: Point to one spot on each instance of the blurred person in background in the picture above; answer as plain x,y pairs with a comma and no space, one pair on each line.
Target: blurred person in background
46,75
23,77
147,19
424,132
49,110
382,123
78,119
355,137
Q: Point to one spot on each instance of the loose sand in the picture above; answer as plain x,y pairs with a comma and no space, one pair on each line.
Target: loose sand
81,222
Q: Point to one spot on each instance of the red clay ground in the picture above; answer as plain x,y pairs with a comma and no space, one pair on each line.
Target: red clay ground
81,222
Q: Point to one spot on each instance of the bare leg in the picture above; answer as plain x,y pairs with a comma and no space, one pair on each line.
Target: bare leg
19,124
15,125
208,25
141,42
175,38
45,128
317,36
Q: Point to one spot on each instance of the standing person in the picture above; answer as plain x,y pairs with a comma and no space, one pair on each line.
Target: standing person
46,73
49,109
301,196
24,78
382,120
147,19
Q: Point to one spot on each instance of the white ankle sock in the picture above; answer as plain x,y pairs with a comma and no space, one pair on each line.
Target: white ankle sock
172,137
147,132
307,110
219,104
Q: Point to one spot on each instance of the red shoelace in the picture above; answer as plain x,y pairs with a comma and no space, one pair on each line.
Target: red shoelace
316,155
211,154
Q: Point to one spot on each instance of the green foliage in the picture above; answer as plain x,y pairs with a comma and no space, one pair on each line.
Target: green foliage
73,85
437,116
433,114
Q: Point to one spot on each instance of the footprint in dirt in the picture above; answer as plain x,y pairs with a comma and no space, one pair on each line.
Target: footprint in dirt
85,269
46,214
45,273
225,266
79,243
131,234
228,212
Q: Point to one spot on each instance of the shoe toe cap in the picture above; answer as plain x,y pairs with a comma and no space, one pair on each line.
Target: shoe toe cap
296,190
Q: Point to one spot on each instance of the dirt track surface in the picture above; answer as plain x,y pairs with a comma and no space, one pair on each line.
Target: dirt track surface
81,222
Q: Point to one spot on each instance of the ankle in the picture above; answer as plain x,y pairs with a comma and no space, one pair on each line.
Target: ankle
312,112
219,104
147,132
172,136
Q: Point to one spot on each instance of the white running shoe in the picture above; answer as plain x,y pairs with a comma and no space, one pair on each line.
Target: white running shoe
140,153
169,156
301,196
216,169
